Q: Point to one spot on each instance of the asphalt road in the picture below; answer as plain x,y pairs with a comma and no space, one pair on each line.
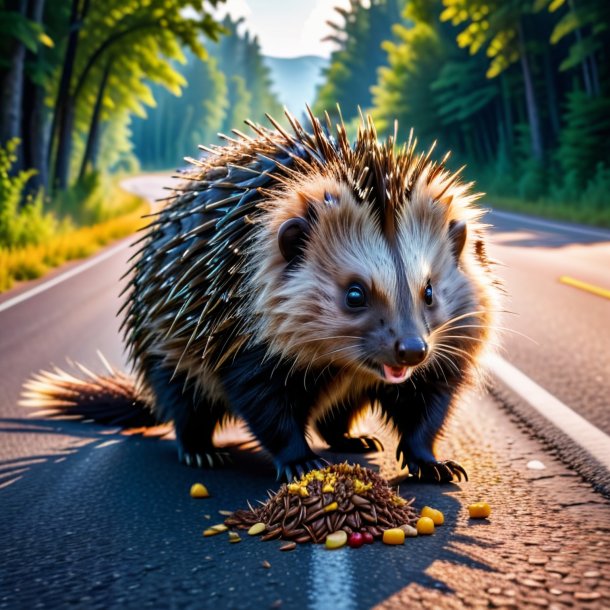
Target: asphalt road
91,518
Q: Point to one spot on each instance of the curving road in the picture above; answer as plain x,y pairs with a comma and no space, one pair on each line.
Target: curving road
95,519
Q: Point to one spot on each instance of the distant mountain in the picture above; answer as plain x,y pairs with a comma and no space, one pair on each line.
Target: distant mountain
295,80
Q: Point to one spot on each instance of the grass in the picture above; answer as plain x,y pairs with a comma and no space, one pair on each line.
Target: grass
590,215
34,260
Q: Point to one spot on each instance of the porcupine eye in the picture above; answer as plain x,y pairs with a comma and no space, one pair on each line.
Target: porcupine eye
428,294
355,297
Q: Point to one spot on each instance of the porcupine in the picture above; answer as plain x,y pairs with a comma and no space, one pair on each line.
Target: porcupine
295,278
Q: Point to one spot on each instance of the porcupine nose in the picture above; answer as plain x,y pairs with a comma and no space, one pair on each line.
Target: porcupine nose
410,350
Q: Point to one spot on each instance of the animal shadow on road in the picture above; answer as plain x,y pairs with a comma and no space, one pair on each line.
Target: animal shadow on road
109,519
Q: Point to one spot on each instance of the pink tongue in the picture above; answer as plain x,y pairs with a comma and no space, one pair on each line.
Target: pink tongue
395,374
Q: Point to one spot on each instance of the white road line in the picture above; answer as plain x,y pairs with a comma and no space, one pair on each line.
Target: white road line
28,294
582,432
549,224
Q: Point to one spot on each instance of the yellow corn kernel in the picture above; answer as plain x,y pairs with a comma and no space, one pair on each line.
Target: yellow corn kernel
303,491
328,489
479,510
198,490
424,526
394,536
437,517
361,486
330,507
294,488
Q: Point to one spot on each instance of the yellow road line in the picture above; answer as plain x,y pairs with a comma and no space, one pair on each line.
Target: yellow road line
600,292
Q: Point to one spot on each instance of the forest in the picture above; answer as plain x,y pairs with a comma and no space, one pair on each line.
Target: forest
93,91
518,90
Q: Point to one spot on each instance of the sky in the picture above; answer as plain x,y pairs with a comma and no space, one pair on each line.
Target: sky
288,28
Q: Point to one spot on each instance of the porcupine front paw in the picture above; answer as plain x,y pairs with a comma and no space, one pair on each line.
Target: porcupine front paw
356,444
437,471
427,468
288,471
204,458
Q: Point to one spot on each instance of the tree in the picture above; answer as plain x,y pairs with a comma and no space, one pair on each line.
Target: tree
497,26
352,70
115,27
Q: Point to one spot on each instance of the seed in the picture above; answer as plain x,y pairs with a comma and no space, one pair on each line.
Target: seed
479,510
425,526
266,564
434,514
359,500
225,513
368,538
368,517
234,537
394,536
289,546
328,488
272,534
256,529
409,530
355,540
303,491
215,529
336,540
330,507
199,490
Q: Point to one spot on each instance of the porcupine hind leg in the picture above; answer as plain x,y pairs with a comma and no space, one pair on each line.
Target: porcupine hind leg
274,402
334,427
418,415
195,417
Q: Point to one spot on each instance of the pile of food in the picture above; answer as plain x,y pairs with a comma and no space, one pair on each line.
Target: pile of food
347,501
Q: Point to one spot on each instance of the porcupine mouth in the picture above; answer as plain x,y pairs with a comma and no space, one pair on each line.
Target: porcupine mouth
396,374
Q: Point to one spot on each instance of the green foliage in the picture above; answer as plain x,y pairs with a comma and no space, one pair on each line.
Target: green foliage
19,224
583,142
405,86
92,200
486,78
353,67
597,188
14,25
228,86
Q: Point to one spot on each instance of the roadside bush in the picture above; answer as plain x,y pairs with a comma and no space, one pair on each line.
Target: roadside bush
92,200
21,222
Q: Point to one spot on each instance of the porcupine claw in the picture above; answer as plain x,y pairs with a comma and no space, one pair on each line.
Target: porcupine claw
205,460
439,472
357,444
298,469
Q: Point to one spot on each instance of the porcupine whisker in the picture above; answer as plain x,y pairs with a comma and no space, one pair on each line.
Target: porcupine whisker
455,350
328,338
442,356
443,336
498,328
335,351
460,317
447,351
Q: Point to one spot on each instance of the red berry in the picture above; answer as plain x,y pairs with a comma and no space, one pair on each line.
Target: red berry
367,537
355,540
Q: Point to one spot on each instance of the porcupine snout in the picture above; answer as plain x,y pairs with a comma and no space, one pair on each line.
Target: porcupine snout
410,350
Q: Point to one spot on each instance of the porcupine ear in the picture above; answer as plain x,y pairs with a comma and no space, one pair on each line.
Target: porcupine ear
457,236
292,236
457,230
